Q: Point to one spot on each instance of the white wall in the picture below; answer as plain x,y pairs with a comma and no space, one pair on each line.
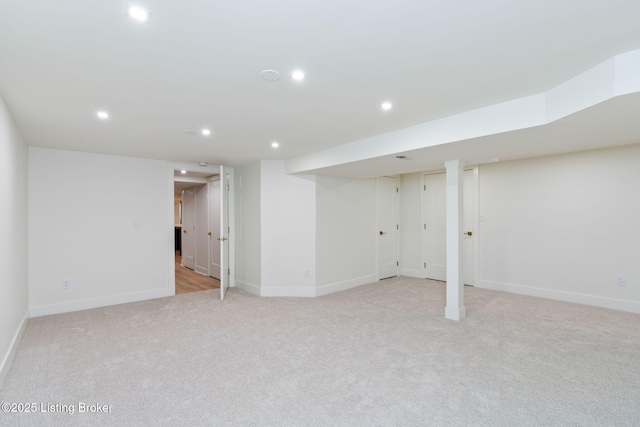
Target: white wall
288,219
563,227
410,225
82,209
345,233
13,244
248,234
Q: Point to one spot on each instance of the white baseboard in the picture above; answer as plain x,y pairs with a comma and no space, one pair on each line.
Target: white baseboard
616,304
409,272
249,287
343,286
11,352
291,291
66,307
307,291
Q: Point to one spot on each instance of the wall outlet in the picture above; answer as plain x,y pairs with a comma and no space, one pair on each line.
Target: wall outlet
66,283
307,274
621,280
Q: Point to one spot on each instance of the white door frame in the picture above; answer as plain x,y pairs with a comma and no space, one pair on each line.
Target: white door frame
475,221
213,170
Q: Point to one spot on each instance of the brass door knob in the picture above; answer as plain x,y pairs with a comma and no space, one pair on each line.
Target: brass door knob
382,232
184,231
468,233
209,233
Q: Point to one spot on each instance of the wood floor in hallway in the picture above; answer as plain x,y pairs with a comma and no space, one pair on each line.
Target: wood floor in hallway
188,280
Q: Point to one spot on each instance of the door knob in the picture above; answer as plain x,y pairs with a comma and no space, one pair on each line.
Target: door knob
209,233
184,231
382,232
468,233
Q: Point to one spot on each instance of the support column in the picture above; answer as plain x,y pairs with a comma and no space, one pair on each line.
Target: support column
455,292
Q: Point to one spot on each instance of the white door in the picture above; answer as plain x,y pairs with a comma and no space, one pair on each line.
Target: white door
188,227
201,229
434,228
214,234
467,224
224,231
387,201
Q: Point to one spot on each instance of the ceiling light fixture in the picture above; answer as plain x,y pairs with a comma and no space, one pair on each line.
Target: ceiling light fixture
138,13
206,132
298,75
275,144
103,115
386,106
270,75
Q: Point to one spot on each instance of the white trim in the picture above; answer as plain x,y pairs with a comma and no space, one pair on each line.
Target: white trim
249,287
411,272
13,348
306,291
44,310
604,302
343,286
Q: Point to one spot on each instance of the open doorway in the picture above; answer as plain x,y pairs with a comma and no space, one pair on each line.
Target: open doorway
195,225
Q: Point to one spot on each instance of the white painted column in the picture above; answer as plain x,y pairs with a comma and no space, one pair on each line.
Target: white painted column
455,287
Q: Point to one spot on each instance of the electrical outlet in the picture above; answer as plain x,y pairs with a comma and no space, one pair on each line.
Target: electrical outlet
621,280
66,283
307,274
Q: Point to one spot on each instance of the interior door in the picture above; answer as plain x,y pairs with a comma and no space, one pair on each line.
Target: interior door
224,232
467,224
214,234
387,188
188,227
201,228
434,229
434,232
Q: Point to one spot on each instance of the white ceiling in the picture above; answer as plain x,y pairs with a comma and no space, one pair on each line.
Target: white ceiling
197,64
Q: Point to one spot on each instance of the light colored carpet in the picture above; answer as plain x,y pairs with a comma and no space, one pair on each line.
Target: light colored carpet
377,355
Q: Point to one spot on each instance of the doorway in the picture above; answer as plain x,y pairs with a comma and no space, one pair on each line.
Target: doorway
202,243
191,227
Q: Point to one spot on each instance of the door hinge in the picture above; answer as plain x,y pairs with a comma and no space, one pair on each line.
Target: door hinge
228,271
228,229
228,186
397,190
424,187
425,264
425,226
397,226
397,263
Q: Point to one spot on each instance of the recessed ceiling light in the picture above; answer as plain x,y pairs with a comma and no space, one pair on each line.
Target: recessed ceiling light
183,171
138,13
386,106
275,144
103,114
270,75
206,132
298,75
